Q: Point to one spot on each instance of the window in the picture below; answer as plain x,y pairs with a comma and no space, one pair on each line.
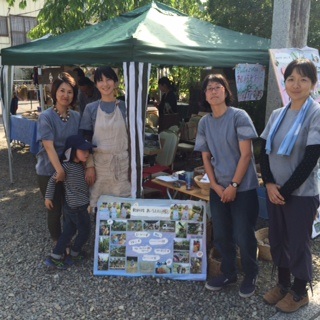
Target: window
20,26
4,32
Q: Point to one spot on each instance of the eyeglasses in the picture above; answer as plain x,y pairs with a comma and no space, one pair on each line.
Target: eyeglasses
213,89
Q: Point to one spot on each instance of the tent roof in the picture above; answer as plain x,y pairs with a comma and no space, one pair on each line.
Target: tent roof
155,33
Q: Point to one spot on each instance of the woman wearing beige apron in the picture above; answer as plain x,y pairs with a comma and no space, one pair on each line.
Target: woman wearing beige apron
104,123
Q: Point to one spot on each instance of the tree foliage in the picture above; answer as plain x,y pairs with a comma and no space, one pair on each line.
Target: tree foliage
247,16
314,25
255,17
22,3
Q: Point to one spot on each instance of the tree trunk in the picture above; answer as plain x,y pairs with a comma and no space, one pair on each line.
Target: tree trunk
289,30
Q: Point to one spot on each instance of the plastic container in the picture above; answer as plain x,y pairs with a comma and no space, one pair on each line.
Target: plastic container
189,180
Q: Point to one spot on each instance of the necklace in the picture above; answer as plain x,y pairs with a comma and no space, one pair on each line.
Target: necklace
64,119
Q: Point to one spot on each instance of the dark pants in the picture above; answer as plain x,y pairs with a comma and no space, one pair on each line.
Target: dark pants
75,219
234,224
290,229
54,215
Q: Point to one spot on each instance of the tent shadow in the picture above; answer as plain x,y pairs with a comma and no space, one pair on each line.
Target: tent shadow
24,175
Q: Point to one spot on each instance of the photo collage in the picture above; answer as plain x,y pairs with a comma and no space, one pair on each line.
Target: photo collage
172,246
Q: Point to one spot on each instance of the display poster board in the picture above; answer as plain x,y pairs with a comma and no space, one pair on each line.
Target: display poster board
249,81
280,58
48,75
143,237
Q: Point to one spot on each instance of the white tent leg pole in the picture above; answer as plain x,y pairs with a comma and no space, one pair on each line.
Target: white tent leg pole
7,136
10,161
7,83
41,97
41,91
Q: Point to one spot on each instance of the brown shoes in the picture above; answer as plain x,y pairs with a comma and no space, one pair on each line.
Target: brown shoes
285,300
274,295
292,302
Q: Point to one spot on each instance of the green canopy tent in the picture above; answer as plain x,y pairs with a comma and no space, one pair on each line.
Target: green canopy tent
153,34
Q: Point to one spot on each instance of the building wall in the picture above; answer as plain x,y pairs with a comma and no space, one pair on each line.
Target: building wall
32,9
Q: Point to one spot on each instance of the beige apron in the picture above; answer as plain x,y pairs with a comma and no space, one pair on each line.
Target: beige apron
111,157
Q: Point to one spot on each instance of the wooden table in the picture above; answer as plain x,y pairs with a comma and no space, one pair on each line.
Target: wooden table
195,192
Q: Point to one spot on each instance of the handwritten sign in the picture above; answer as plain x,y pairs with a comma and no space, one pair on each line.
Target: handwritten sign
137,237
250,81
280,58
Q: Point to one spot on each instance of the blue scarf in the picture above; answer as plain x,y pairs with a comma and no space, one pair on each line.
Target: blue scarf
292,135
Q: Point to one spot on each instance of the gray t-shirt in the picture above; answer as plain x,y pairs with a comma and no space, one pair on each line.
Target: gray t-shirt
282,167
89,116
220,136
51,127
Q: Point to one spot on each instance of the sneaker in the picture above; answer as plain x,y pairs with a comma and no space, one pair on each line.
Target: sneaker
292,302
219,282
68,261
76,259
274,295
56,263
248,287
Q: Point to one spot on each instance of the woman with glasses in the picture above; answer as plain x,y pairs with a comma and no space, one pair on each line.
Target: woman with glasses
104,123
225,139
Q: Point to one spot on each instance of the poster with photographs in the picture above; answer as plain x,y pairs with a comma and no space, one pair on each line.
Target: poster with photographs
142,237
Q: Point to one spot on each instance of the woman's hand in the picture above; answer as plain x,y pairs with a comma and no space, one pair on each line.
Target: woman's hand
218,189
90,176
229,194
274,195
54,159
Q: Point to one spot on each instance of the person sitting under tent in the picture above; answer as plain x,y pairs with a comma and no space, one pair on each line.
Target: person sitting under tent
88,93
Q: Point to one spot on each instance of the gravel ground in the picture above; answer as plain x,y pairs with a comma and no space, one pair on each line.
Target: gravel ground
28,290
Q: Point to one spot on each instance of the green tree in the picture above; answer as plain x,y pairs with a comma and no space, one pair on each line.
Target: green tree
22,3
247,16
314,25
255,17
